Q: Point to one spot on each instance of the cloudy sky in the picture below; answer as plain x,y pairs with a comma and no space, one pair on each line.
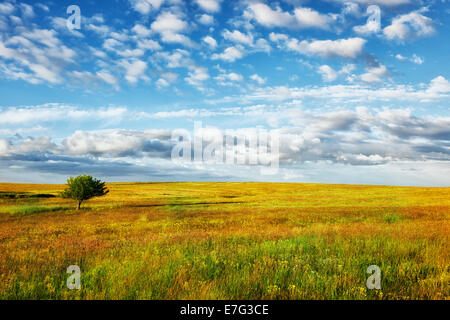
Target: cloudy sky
357,91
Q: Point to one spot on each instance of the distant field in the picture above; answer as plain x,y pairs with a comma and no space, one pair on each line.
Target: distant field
226,241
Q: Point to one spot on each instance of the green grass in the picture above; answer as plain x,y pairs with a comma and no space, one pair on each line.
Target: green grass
392,218
227,241
31,209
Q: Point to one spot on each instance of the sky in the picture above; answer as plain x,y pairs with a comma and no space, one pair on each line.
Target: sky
357,92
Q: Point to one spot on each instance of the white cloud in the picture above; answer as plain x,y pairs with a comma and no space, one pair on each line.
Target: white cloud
149,44
101,30
6,8
134,70
409,26
171,27
45,73
111,44
238,37
308,18
35,56
228,78
196,76
268,17
179,58
363,136
328,74
27,10
56,113
277,37
145,6
258,79
345,48
209,5
141,30
437,89
206,19
230,54
439,85
400,57
162,83
115,143
43,7
414,59
166,79
374,74
108,78
380,2
301,18
212,43
262,45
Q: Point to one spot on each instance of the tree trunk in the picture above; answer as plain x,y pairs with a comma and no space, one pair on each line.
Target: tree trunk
79,205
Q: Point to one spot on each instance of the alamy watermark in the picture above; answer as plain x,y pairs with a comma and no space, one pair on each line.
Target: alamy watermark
74,20
374,281
258,147
74,280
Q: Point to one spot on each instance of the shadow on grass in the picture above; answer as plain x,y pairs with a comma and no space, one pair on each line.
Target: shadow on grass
23,195
182,204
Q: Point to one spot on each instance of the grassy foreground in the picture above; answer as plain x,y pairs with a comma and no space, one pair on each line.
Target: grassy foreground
226,241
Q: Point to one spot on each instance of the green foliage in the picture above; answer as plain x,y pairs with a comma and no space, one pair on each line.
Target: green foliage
83,188
392,218
32,209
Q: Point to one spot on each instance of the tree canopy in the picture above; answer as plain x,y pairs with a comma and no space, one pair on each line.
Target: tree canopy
83,188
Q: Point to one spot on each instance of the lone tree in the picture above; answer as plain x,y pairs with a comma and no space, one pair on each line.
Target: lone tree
83,188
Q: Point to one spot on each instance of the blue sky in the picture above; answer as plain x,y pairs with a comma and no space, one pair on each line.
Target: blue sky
358,91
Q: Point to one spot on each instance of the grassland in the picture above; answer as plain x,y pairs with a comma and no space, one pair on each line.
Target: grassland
226,241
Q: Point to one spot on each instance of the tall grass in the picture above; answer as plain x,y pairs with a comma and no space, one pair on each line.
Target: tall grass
229,241
31,209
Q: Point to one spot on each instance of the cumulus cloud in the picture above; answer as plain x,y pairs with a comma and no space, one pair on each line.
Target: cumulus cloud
171,27
258,79
210,41
27,10
141,30
206,19
230,54
409,26
374,74
238,37
301,17
209,5
118,143
134,70
145,6
196,76
345,48
228,78
327,73
6,8
308,18
439,85
359,137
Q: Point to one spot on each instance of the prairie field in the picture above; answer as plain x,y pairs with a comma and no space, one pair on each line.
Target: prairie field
225,241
